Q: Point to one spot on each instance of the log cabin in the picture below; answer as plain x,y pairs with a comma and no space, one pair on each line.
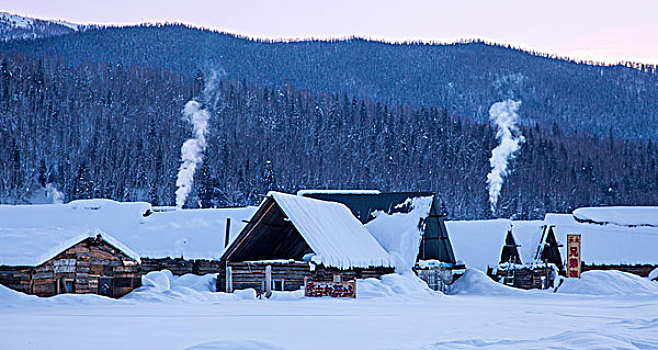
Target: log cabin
292,238
51,262
182,241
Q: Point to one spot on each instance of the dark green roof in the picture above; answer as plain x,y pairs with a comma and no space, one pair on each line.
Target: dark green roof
435,242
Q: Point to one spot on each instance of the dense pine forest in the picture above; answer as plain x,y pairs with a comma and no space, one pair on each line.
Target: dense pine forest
464,78
114,131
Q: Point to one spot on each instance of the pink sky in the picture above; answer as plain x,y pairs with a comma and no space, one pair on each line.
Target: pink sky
601,30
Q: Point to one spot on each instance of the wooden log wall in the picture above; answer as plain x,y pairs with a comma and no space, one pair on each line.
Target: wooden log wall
179,266
252,274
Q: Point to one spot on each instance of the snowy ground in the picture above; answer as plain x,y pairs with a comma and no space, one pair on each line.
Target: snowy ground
393,314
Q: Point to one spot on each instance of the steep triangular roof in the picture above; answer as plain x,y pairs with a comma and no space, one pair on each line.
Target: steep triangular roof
529,244
327,229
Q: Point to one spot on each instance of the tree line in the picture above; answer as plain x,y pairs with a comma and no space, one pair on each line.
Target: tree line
110,131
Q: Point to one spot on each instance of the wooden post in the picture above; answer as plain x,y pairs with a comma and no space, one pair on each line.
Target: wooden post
228,232
268,281
229,280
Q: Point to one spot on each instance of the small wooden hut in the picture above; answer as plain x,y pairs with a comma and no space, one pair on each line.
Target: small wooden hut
51,262
291,238
529,259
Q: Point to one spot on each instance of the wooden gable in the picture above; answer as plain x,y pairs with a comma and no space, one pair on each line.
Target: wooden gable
268,235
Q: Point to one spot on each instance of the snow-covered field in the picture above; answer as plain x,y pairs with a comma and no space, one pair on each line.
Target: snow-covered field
395,313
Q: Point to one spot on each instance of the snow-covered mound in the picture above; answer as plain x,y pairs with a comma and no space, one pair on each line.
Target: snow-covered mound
653,275
477,282
163,286
407,284
622,216
10,297
608,283
235,345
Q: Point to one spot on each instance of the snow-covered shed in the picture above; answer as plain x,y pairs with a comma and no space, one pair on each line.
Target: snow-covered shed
611,239
183,241
296,237
47,262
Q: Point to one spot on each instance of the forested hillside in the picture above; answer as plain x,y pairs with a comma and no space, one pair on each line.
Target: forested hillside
100,130
465,78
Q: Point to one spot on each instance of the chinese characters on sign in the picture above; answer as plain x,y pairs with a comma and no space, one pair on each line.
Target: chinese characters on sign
573,256
331,289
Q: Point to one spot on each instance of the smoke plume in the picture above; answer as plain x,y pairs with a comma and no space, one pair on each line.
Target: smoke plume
54,194
192,149
503,115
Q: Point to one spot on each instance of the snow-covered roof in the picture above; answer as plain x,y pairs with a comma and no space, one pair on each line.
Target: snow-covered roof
608,244
188,233
528,238
479,243
622,216
399,233
332,232
307,192
34,246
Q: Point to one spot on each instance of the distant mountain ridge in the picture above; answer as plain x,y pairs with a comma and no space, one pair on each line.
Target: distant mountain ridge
464,78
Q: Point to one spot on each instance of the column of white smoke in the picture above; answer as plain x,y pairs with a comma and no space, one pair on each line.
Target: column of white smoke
503,115
192,150
54,194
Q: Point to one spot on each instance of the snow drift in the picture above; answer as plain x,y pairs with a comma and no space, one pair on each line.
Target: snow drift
163,286
478,283
608,283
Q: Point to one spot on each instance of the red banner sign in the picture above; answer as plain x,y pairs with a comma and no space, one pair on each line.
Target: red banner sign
330,289
573,256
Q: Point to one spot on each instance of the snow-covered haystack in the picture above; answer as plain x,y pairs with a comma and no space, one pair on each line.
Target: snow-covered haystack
163,286
477,282
622,216
608,283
